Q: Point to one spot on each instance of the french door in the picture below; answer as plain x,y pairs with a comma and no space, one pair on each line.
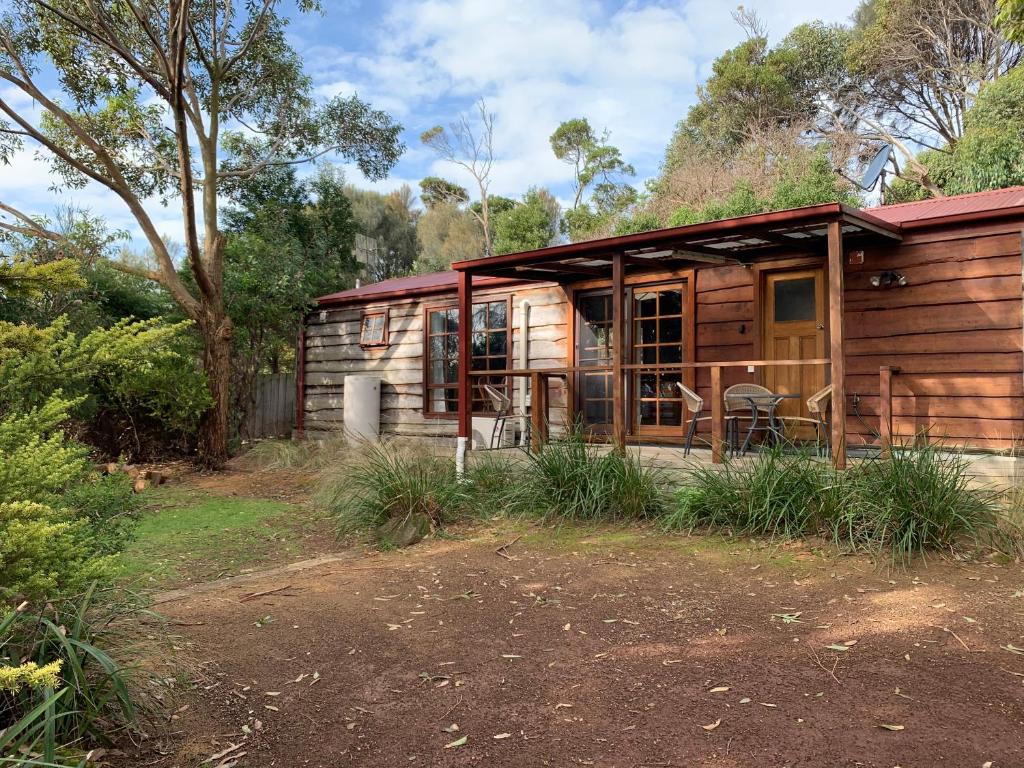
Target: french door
594,340
658,322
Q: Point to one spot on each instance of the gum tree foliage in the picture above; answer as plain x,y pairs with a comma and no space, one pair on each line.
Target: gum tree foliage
390,220
528,225
989,154
904,72
468,143
288,242
597,167
447,230
1011,19
181,101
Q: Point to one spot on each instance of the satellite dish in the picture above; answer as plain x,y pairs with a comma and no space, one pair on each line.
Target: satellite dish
876,167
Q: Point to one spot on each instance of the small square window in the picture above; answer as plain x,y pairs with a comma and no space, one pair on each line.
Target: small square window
374,330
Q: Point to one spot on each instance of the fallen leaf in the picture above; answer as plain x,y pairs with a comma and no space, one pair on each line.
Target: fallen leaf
456,743
849,643
1013,649
720,689
744,700
453,728
837,647
510,656
891,726
501,736
712,726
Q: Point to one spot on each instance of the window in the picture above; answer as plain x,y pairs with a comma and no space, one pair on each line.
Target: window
374,330
489,347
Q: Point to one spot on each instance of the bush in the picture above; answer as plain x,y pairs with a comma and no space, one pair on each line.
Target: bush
388,483
570,479
109,506
57,529
920,499
771,495
60,691
134,386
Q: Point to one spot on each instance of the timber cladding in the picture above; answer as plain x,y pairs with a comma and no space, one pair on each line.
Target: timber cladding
954,330
333,351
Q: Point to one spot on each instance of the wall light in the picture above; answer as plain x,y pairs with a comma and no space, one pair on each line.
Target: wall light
889,280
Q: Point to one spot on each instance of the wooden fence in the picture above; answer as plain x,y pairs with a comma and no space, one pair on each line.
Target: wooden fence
273,414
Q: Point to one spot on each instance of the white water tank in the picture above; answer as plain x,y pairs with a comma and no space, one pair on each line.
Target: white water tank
362,407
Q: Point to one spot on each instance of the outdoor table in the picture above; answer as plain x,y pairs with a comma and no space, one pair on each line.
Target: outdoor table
768,403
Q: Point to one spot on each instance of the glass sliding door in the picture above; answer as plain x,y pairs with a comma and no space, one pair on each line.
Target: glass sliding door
594,350
660,324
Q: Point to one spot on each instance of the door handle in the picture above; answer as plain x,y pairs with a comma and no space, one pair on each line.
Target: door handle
819,327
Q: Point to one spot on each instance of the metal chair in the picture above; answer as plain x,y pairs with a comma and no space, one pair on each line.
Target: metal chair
743,399
695,405
503,410
818,406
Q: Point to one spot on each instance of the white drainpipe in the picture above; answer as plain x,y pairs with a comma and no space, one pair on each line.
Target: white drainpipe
524,360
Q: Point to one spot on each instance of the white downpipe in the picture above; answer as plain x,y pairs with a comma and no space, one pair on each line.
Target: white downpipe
460,457
524,361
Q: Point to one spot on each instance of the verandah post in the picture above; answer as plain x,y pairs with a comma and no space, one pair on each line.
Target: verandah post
836,318
465,306
717,415
618,351
885,375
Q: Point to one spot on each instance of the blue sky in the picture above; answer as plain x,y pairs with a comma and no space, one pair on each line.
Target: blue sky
631,68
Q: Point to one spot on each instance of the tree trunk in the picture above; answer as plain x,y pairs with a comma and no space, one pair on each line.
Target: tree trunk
213,426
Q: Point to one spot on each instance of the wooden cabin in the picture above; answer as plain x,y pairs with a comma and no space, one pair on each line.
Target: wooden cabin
912,312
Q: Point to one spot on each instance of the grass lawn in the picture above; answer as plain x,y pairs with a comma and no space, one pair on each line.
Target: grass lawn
189,534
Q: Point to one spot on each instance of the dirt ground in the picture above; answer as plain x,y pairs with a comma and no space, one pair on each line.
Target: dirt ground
613,649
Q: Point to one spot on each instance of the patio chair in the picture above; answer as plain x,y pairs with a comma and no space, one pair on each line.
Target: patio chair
736,405
503,410
818,406
695,405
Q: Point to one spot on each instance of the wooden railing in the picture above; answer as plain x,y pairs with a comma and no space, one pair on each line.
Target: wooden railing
539,379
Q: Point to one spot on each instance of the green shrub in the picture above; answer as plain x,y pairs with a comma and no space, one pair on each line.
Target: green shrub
920,499
569,479
57,531
109,506
772,494
386,482
63,691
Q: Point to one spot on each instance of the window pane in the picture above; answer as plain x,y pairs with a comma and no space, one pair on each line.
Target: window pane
794,300
497,315
451,321
670,330
436,372
497,343
452,372
646,304
648,412
648,355
671,303
478,345
479,317
594,309
437,321
648,385
670,413
671,354
647,331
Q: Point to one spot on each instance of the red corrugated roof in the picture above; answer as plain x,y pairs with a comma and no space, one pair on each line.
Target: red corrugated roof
397,287
956,205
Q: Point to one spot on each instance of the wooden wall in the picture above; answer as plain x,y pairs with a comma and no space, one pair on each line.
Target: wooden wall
333,351
954,330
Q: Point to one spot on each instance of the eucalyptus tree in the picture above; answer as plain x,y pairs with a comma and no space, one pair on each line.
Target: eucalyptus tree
179,100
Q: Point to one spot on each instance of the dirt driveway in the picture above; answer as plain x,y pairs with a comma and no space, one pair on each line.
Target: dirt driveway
617,650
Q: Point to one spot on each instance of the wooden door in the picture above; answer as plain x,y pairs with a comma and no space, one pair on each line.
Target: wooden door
794,311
